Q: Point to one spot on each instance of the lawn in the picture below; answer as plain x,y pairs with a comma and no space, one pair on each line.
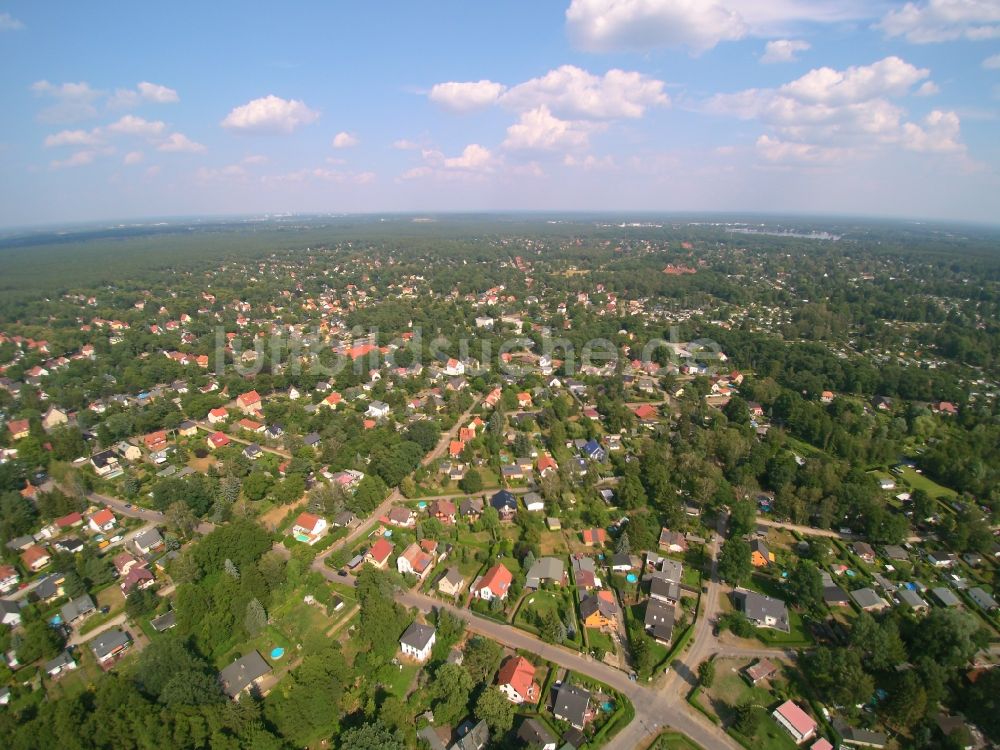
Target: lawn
402,678
675,741
540,602
600,639
920,482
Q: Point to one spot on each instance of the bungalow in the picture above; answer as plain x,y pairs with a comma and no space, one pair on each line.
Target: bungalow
244,674
249,403
110,644
645,412
332,401
346,520
760,670
855,737
401,517
417,641
834,596
795,721
524,400
418,558
250,426
672,541
868,600
274,432
945,596
312,440
379,554
217,440
983,599
516,680
187,428
494,584
533,502
505,504
762,611
547,466
309,528
826,397
572,705
148,541
911,599
659,620
253,451
600,610
621,562
546,570
215,416
451,583
164,622
35,558
595,537
19,428
760,556
442,510
62,663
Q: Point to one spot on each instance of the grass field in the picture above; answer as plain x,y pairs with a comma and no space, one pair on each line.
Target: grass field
675,741
599,639
920,482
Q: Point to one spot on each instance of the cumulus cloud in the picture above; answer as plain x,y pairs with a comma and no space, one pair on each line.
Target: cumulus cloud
697,25
180,143
270,114
473,157
938,134
538,129
783,50
573,92
891,76
132,158
137,126
992,62
928,88
143,92
9,23
943,21
79,159
466,96
72,138
71,101
344,139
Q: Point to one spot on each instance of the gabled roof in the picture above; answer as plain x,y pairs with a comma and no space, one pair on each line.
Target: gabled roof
108,641
519,673
417,636
241,673
571,703
504,499
381,550
497,579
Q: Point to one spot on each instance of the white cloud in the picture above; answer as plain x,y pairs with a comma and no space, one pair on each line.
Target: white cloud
928,88
939,134
573,92
474,157
466,96
180,144
9,23
72,101
344,139
698,25
539,129
72,138
891,76
133,157
404,144
943,21
992,62
783,50
154,92
79,159
270,114
774,150
137,126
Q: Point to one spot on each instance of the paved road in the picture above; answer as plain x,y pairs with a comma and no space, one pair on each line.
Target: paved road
135,511
76,639
211,429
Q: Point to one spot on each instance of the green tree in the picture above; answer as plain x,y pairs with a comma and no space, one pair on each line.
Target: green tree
482,658
907,703
805,586
494,708
450,690
140,603
372,736
472,482
706,673
256,618
748,718
734,562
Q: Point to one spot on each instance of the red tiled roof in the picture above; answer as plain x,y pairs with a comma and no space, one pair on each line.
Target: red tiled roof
519,673
307,521
103,517
497,579
381,550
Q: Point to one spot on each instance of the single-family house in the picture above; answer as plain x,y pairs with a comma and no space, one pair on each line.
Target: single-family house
983,599
60,664
10,612
505,504
35,558
401,517
763,611
309,528
54,417
418,558
106,464
139,577
659,620
665,591
110,644
672,541
516,680
217,440
864,551
494,584
77,609
945,596
244,674
377,410
249,403
187,428
215,416
417,641
572,705
148,541
471,508
533,502
795,721
535,736
451,583
595,537
19,428
442,510
546,570
9,578
103,520
600,610
760,670
760,556
911,599
379,553
869,600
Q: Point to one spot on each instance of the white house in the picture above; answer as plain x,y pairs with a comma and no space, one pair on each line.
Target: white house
309,528
377,410
417,641
103,520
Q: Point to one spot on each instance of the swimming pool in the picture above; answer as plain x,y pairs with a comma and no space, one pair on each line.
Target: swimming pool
277,652
301,537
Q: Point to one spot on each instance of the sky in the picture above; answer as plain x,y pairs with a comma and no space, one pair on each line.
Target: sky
124,111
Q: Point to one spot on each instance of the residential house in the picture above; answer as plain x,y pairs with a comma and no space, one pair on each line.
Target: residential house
471,736
547,466
600,610
494,584
869,600
164,622
103,520
659,620
215,416
471,508
312,440
19,428
533,502
451,583
401,517
417,641
795,721
595,537
139,577
760,670
187,428
77,609
442,510
10,612
217,440
665,591
418,558
546,570
124,562
377,410
54,417
106,464
379,553
945,596
763,611
59,665
109,645
672,541
864,551
516,680
834,596
245,674
911,599
983,599
760,556
572,705
148,541
249,403
593,451
505,504
535,736
855,737
253,452
9,578
309,528
35,558
346,520
622,563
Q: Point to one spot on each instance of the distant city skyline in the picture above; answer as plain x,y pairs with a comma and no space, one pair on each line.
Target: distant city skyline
775,106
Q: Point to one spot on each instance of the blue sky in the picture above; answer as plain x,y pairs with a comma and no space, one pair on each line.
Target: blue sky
124,111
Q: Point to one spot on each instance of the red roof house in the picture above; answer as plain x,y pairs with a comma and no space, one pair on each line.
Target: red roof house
516,680
494,583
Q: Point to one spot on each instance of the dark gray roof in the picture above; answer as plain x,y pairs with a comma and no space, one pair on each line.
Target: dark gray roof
164,621
835,595
148,539
910,598
545,569
472,737
78,607
64,659
571,704
108,641
417,636
533,733
983,598
759,608
866,598
660,588
593,603
10,607
946,596
237,676
659,621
